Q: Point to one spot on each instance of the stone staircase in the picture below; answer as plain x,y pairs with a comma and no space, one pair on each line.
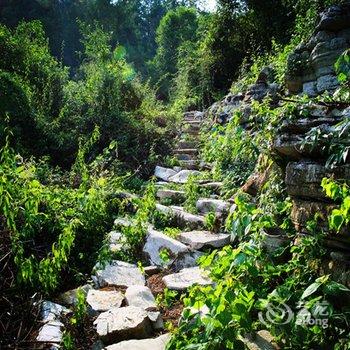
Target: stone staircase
121,299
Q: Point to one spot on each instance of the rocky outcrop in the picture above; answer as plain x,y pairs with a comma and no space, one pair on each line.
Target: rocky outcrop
223,111
311,65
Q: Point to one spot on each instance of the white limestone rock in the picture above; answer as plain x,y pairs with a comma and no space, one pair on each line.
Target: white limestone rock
187,278
203,239
156,242
158,343
164,173
118,273
103,300
206,205
50,332
51,311
128,322
182,176
140,296
70,297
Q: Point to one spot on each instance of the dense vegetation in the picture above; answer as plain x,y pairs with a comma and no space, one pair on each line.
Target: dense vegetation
91,93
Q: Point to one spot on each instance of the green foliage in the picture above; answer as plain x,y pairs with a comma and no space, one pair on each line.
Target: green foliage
210,221
339,217
172,232
248,281
67,341
80,309
192,194
178,26
167,298
67,224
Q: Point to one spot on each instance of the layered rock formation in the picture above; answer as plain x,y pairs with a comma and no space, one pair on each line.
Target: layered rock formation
311,66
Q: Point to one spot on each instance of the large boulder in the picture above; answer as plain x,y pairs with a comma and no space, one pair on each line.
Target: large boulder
118,324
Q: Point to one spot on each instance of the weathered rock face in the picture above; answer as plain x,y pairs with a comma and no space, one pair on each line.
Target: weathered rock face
292,142
311,66
224,110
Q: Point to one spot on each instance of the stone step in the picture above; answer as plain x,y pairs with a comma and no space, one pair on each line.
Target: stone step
184,219
158,343
204,239
193,151
186,278
184,157
206,205
193,122
183,144
193,115
163,173
173,195
213,186
190,164
182,176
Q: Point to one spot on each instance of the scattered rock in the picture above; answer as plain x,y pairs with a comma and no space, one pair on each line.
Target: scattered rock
50,332
203,239
184,219
103,300
164,173
51,311
123,323
118,273
156,242
206,205
186,278
173,195
140,296
145,344
156,319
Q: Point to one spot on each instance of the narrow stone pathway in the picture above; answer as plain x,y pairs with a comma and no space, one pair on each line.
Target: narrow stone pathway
126,315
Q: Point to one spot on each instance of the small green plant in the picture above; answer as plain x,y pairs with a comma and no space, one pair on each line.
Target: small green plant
172,232
67,341
167,298
339,217
191,194
80,309
164,256
210,221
